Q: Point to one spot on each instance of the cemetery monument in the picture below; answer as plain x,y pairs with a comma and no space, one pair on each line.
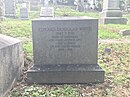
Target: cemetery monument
24,12
65,51
34,5
47,12
11,62
111,13
1,10
10,8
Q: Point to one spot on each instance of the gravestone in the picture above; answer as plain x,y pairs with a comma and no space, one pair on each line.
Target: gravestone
71,2
80,6
10,8
11,62
34,5
111,13
24,12
65,51
47,12
1,10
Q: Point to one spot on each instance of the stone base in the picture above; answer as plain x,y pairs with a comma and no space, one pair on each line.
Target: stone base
111,13
24,18
10,15
65,74
113,20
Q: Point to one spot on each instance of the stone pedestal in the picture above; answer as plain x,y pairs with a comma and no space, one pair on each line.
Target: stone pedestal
11,63
111,13
65,51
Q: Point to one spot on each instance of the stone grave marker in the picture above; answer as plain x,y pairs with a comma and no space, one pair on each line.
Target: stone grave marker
71,2
124,32
1,10
34,5
65,51
10,8
111,13
24,12
11,62
47,12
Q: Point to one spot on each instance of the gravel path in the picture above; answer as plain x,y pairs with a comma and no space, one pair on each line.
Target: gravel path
114,40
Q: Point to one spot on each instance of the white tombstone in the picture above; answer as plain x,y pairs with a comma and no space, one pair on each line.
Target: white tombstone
47,12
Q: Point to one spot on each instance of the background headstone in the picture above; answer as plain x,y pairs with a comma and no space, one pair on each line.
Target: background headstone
11,62
124,32
1,9
34,5
81,4
47,12
24,12
10,8
71,2
111,13
65,51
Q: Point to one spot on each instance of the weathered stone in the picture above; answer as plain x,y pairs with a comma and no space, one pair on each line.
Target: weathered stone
113,20
125,32
66,73
10,8
47,12
65,51
1,10
11,62
34,5
24,13
111,13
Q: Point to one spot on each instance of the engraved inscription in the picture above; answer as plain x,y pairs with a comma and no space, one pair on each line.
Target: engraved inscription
65,39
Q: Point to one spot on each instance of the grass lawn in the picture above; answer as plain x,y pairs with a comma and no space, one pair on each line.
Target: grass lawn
116,63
